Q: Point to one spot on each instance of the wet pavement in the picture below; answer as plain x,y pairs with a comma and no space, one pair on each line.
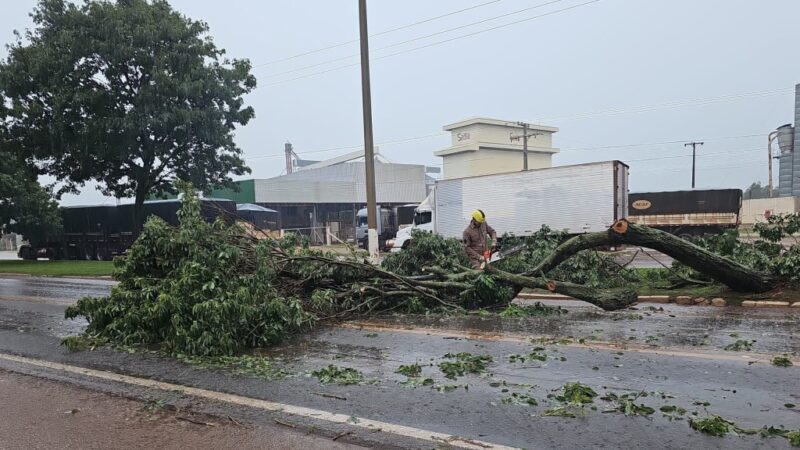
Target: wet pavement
676,357
51,289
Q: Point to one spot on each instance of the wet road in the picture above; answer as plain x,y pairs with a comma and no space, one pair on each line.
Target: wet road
52,290
674,355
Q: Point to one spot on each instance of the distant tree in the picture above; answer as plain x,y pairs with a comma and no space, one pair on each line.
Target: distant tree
756,191
129,93
25,206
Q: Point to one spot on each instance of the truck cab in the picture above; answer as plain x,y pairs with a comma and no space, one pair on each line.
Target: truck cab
423,221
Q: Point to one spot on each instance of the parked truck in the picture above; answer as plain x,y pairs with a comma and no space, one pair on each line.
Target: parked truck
687,213
102,232
390,220
576,199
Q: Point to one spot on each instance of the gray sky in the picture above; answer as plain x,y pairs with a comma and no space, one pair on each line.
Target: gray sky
609,74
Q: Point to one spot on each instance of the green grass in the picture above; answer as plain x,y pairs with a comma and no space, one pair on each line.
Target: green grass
58,268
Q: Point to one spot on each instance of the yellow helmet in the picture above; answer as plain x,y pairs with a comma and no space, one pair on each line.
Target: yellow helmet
478,216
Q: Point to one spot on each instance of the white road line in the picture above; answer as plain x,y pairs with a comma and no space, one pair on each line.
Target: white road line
368,424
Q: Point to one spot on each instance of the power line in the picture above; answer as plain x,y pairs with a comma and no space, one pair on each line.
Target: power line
437,42
380,33
608,147
419,38
352,147
657,158
672,104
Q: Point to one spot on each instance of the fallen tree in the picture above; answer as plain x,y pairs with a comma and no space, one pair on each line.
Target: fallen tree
212,289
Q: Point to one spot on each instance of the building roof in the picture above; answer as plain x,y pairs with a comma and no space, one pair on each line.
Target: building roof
497,122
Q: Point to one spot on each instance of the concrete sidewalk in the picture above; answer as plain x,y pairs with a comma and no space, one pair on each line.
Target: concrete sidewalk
45,414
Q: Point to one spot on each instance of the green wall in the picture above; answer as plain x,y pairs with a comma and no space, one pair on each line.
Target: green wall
246,194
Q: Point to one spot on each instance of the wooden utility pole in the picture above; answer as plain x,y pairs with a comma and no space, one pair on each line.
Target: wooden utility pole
524,136
369,159
694,156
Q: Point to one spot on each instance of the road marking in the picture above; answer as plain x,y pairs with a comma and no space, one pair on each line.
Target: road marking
368,424
526,338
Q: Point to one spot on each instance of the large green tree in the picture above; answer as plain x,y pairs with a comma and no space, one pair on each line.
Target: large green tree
129,93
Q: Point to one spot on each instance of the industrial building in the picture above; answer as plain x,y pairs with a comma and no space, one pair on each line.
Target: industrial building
482,146
330,193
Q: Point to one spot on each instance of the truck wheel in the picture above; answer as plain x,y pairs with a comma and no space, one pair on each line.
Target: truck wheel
27,253
102,254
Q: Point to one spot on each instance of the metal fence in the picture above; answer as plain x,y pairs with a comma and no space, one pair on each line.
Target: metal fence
315,235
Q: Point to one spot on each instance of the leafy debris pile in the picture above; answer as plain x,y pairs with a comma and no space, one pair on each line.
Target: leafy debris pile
338,375
464,363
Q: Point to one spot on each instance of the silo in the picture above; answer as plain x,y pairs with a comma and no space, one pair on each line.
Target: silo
795,155
785,144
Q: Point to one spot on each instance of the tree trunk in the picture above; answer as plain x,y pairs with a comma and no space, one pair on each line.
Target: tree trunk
607,299
734,275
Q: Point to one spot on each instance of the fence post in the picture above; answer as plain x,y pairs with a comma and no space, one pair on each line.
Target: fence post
327,235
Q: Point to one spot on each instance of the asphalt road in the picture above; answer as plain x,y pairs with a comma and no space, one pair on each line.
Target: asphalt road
674,355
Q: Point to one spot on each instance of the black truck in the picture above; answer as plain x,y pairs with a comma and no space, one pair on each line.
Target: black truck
102,232
687,213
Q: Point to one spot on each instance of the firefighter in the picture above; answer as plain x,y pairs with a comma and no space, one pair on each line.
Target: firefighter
475,239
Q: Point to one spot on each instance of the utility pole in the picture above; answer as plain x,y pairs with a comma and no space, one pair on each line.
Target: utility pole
524,136
288,152
369,159
694,156
771,137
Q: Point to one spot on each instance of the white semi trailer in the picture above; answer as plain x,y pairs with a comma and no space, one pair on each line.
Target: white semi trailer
576,199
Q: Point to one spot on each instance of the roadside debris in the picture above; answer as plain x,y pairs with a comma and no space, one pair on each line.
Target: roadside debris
739,345
338,375
464,363
781,361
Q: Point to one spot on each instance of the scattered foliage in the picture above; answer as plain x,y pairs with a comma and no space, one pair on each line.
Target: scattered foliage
418,382
537,309
464,363
739,345
532,356
576,394
80,343
410,370
255,366
338,375
713,425
519,399
781,361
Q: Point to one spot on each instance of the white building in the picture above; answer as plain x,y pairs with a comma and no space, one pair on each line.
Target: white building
482,146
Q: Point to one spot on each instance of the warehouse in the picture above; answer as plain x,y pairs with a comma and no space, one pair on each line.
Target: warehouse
329,193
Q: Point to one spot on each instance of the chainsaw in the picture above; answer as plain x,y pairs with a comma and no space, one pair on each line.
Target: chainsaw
490,256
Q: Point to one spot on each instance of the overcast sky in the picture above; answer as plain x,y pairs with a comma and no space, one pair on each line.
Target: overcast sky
611,74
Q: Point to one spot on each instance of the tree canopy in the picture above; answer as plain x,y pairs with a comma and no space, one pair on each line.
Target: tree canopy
131,94
756,191
25,206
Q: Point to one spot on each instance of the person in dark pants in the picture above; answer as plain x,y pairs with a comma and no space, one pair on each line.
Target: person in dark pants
475,238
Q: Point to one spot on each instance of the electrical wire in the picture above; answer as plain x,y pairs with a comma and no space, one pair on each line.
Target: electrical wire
380,33
435,43
419,38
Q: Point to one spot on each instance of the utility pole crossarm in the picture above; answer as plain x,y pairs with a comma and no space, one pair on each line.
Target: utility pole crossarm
524,136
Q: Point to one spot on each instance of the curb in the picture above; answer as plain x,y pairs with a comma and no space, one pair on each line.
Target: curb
682,300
